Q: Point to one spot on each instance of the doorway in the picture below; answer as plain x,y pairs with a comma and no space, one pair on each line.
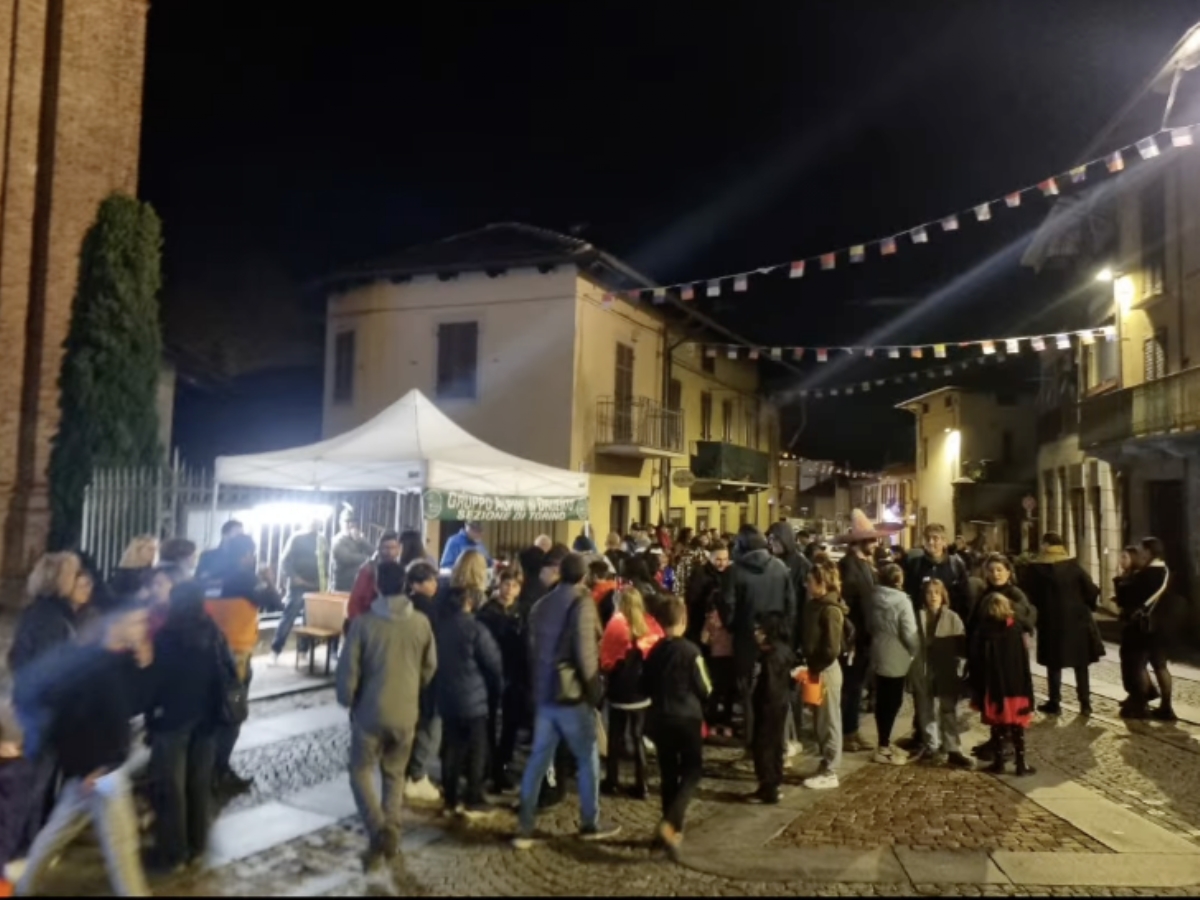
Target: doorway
618,515
1168,523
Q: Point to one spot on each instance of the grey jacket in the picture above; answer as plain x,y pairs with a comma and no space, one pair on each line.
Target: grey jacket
942,645
894,640
389,657
546,622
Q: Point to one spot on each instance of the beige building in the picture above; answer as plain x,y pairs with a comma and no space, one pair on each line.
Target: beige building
975,453
513,332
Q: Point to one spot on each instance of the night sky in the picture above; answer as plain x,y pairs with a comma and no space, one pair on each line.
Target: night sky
282,141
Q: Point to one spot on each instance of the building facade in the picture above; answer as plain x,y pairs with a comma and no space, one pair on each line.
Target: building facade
892,498
975,465
70,125
514,333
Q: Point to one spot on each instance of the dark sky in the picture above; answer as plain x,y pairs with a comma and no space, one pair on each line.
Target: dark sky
281,141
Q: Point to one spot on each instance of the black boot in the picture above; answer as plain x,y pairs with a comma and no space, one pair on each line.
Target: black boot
1018,739
997,766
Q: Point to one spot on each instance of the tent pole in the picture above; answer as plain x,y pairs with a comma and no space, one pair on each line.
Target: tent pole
212,519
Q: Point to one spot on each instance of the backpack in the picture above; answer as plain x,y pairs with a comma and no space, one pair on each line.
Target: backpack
624,684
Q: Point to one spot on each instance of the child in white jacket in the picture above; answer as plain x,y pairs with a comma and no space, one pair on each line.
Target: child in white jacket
936,679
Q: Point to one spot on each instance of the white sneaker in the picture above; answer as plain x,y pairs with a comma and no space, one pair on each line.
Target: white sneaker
423,791
14,870
794,748
275,663
826,781
888,757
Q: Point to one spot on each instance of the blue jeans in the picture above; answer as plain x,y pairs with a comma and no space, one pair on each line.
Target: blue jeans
576,725
291,612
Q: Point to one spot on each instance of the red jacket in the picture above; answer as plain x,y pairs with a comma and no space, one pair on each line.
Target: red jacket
363,594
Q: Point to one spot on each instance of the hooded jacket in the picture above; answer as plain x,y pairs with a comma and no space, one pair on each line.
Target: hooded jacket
1064,596
759,584
798,565
389,657
894,639
824,619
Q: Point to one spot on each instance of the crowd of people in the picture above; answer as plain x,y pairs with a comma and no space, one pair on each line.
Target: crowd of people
662,640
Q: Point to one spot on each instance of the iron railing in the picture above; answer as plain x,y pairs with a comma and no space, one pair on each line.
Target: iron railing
1164,406
639,422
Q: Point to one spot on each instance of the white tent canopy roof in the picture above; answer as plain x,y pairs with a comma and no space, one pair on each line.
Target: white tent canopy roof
411,444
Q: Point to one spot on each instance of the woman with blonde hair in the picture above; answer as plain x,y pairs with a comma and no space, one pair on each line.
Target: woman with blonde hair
628,639
58,588
130,583
470,577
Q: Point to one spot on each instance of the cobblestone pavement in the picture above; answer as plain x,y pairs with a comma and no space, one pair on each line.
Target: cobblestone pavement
932,809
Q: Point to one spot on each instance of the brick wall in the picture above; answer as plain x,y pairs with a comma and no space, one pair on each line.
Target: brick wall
70,124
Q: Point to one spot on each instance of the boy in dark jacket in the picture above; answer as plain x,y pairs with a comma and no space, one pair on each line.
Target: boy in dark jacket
502,617
675,679
773,691
470,678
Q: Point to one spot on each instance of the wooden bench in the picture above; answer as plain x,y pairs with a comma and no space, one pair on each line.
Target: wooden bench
324,620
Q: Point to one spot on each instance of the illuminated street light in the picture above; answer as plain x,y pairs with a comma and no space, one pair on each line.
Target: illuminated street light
1105,274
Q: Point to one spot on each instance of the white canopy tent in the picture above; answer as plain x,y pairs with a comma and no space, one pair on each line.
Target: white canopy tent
410,446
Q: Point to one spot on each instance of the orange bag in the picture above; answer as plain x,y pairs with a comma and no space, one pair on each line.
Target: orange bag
812,691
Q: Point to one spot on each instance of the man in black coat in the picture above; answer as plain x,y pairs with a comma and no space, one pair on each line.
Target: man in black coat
759,584
1067,635
935,560
781,541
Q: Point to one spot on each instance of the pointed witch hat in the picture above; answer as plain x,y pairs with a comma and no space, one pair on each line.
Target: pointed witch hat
861,529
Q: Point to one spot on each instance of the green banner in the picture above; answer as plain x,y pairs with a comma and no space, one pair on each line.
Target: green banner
449,506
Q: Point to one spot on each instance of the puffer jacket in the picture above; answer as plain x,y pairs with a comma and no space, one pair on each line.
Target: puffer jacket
759,584
470,669
894,639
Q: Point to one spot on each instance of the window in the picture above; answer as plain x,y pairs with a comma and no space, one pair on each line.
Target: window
343,367
950,402
644,512
674,395
702,519
706,416
708,363
1154,355
727,424
1153,208
623,395
924,453
675,516
458,361
752,425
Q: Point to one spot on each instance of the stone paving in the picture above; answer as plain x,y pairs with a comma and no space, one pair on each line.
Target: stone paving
932,809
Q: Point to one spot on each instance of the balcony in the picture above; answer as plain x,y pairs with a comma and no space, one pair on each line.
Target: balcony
1166,407
639,428
719,463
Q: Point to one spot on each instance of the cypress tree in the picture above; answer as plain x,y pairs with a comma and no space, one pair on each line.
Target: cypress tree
111,362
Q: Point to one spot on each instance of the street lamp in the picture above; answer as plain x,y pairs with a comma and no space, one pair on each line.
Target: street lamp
1105,274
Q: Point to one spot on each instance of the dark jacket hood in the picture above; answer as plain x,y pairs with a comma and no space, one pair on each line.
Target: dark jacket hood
396,607
783,533
756,560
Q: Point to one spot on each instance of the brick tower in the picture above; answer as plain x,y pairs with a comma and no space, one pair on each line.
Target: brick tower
70,124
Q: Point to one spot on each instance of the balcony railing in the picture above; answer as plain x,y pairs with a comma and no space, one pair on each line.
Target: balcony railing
639,427
1164,406
718,461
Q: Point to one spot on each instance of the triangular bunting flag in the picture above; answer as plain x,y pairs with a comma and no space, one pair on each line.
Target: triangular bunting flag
919,235
989,347
797,353
887,246
635,296
931,373
1012,201
797,269
607,300
714,288
710,352
850,390
983,212
753,354
732,352
1147,147
804,393
893,352
1063,341
1181,137
1038,344
866,386
879,381
822,355
913,376
868,352
948,371
688,292
776,353
740,284
1079,175
916,352
1049,188
833,392
858,253
828,261
939,351
818,394
950,223
1110,332
1012,345
660,296
1115,162
1086,338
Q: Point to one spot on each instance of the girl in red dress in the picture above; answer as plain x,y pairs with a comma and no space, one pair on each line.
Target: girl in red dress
1001,682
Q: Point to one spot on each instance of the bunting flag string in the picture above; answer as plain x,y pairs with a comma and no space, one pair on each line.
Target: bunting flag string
1112,162
1012,347
819,468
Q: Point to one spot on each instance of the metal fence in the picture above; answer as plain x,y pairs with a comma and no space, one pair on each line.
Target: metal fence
176,500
